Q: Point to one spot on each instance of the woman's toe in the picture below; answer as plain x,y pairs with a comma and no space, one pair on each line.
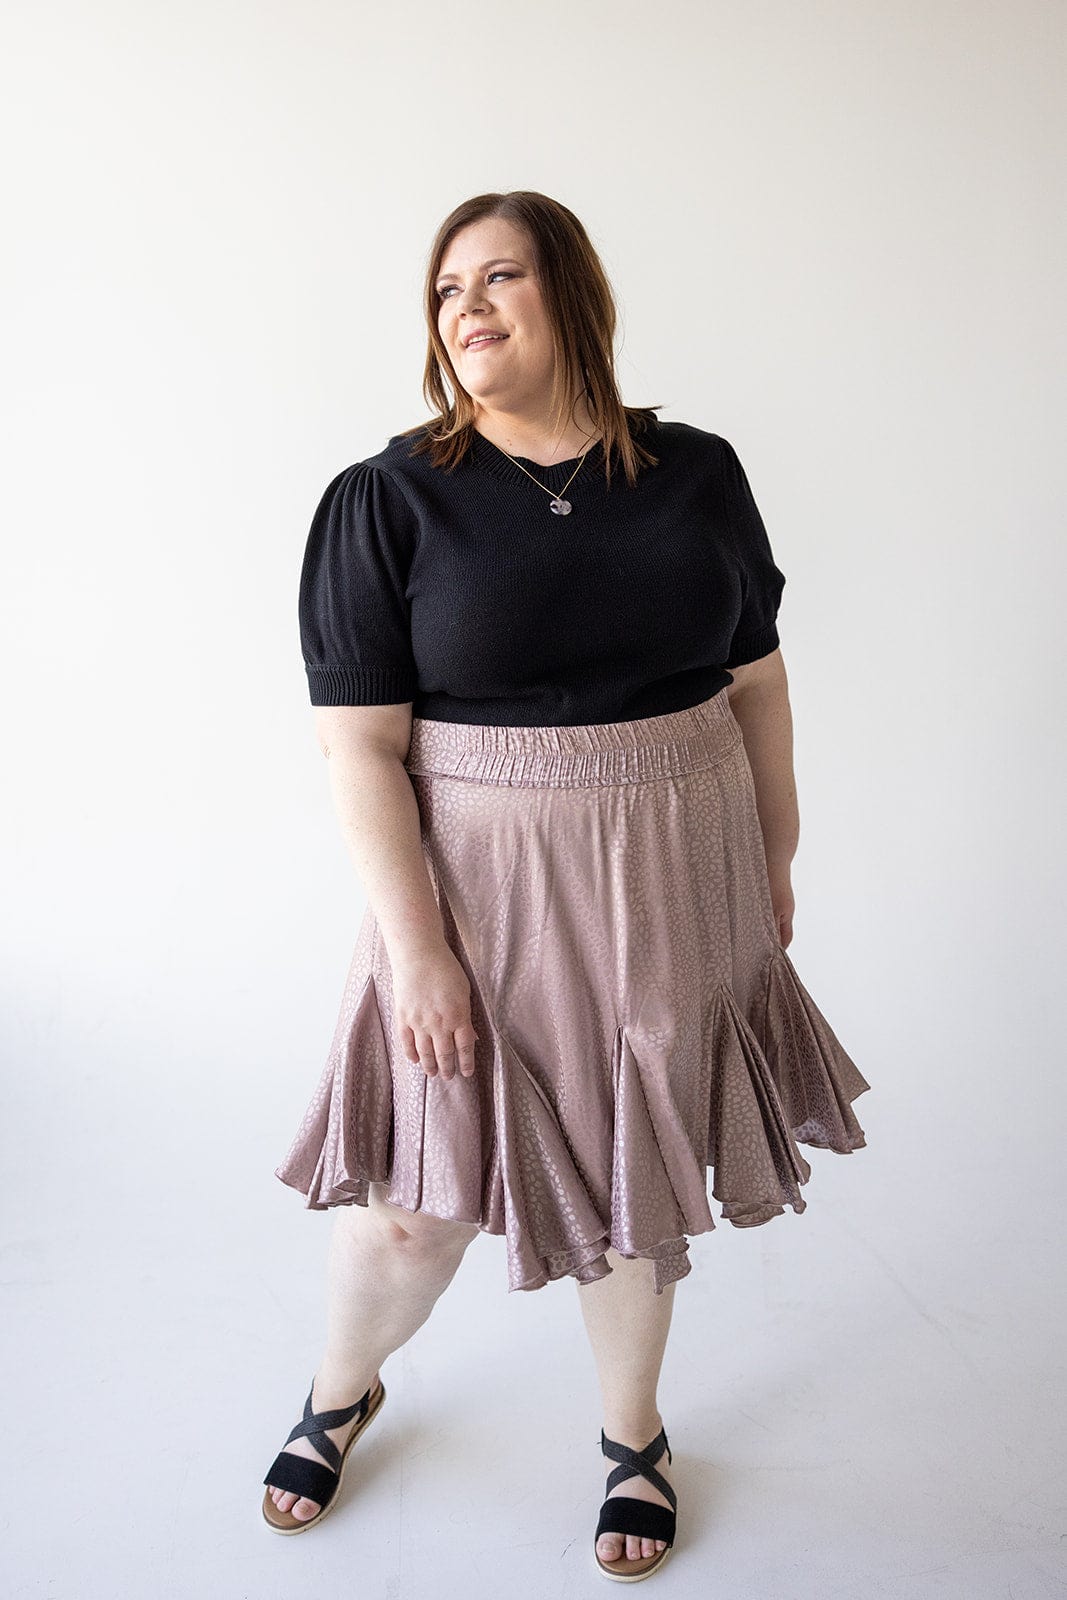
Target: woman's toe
304,1509
609,1546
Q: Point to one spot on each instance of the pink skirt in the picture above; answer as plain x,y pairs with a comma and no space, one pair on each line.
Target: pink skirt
605,889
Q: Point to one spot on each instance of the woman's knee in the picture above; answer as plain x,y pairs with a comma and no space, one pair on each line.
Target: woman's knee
418,1230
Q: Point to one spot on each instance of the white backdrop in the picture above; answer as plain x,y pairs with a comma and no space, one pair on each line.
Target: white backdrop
833,233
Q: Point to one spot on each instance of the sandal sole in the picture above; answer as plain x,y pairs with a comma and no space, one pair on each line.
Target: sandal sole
284,1521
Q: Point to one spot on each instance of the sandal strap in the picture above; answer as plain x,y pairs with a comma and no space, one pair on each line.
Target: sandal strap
621,1514
301,1476
640,1463
315,1423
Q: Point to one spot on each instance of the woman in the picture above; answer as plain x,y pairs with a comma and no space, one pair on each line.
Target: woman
540,638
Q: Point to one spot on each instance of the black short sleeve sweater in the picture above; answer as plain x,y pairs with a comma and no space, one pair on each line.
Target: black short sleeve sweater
462,593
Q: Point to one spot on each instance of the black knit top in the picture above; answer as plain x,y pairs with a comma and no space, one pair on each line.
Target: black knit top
463,593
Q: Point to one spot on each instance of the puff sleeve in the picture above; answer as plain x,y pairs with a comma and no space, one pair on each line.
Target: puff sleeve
756,631
354,614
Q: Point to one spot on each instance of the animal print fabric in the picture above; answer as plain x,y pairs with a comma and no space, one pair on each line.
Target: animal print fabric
605,889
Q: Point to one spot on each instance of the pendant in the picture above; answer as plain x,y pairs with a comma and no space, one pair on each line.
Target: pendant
560,507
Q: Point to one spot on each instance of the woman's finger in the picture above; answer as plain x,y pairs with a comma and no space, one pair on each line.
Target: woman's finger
445,1051
427,1059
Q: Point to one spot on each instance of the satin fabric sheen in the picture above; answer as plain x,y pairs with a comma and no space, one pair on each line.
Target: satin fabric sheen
645,1041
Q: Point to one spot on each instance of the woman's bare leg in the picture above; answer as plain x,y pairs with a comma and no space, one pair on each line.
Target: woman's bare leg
627,1324
387,1270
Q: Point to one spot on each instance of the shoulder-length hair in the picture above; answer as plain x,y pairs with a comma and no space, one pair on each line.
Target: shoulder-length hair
581,307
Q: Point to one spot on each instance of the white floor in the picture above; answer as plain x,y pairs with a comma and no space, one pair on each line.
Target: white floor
865,1401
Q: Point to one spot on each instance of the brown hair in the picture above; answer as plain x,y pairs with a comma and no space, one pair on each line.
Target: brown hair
578,297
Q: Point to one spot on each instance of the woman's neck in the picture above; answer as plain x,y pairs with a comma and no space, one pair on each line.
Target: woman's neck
528,437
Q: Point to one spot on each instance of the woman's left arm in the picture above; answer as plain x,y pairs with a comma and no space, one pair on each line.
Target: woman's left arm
759,699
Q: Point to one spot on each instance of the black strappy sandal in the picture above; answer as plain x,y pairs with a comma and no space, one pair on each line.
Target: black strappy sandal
623,1514
300,1475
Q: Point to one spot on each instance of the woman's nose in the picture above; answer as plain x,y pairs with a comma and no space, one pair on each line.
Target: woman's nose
471,300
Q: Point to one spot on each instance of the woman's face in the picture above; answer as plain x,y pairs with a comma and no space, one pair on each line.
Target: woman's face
488,280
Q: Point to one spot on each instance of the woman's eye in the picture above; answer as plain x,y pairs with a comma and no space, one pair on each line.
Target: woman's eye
443,292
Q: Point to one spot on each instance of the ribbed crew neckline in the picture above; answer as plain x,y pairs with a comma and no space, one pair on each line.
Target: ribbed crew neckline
493,459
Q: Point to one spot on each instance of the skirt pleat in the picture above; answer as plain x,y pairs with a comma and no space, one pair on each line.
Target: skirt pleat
604,888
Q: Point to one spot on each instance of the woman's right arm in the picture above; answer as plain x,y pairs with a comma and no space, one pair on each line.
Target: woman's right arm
366,747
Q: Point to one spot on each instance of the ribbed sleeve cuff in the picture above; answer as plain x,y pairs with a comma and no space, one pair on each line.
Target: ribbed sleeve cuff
756,645
360,686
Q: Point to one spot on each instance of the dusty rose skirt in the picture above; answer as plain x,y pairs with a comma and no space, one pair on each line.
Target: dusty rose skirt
605,890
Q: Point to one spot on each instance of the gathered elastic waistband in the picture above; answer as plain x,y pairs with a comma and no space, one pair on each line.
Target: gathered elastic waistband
575,756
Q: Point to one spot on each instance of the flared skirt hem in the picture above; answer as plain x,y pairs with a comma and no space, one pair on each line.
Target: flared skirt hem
514,1173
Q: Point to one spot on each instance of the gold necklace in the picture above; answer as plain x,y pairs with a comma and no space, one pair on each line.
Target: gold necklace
557,504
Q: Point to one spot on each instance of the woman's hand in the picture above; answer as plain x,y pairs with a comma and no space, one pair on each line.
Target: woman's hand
432,998
778,876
